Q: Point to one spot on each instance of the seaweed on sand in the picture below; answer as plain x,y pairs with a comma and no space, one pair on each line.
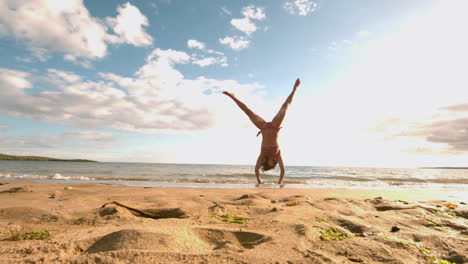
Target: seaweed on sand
228,218
34,235
333,234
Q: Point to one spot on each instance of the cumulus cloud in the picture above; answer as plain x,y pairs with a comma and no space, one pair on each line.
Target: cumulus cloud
157,97
253,12
12,81
67,77
300,7
235,42
449,127
211,60
206,57
195,44
246,24
67,27
128,25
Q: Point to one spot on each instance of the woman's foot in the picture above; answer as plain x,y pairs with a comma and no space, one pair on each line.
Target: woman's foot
229,94
298,82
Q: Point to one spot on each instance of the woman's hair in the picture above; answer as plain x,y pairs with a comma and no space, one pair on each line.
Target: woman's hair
266,166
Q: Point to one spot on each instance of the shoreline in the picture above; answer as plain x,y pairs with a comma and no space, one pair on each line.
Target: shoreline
191,228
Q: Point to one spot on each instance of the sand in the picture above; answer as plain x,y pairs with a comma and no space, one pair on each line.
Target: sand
183,225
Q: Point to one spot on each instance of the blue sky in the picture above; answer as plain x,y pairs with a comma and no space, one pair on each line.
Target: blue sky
383,82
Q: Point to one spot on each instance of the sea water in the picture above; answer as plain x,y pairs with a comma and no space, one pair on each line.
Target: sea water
230,176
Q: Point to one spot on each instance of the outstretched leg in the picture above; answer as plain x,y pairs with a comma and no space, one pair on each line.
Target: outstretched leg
278,119
257,120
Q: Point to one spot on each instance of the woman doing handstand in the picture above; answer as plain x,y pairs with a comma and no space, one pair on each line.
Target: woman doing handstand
270,153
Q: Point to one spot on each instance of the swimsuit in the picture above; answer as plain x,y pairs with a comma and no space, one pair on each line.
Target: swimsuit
269,149
268,125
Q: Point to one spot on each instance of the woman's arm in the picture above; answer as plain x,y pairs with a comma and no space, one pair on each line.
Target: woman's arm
257,168
282,171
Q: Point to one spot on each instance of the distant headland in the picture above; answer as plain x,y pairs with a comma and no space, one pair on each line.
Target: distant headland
36,158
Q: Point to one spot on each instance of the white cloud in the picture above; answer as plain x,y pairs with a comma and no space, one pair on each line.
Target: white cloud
159,67
300,7
157,98
215,57
246,24
12,81
40,53
67,27
128,25
253,12
83,62
68,77
195,44
235,42
211,60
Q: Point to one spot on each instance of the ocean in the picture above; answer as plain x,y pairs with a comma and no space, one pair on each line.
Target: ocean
230,176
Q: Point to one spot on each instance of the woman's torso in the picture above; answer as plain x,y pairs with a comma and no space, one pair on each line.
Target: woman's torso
270,136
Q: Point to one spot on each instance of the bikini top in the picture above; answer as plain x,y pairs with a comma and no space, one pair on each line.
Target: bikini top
268,125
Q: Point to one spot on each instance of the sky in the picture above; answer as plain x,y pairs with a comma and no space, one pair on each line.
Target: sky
384,83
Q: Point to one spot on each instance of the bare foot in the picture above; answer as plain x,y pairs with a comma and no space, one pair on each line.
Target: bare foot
298,82
228,94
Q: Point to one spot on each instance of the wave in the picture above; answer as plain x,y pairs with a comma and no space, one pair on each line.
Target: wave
56,176
243,178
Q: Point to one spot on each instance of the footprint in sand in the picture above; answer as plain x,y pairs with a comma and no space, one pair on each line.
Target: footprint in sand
221,238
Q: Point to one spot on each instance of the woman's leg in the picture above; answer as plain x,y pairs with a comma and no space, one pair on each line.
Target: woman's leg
278,119
257,120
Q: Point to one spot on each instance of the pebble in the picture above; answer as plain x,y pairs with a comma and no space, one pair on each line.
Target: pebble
67,188
395,229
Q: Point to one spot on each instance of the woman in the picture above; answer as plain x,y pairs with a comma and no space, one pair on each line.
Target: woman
270,153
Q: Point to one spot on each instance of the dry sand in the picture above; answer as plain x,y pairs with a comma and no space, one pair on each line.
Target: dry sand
284,225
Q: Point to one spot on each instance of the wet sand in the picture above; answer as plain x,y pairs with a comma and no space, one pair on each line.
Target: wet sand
66,223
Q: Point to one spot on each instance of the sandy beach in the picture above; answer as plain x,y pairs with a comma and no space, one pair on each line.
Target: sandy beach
67,223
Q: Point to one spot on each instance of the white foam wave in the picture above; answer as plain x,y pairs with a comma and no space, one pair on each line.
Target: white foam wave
56,176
